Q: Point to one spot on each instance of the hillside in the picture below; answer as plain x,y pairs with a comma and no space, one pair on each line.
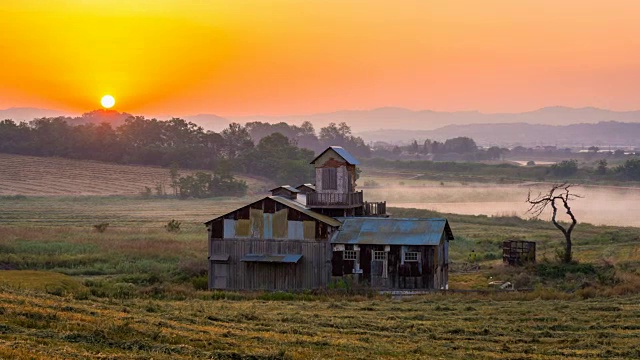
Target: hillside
30,175
405,119
525,134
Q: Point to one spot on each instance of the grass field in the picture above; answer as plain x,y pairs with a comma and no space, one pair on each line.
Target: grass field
36,176
43,326
136,291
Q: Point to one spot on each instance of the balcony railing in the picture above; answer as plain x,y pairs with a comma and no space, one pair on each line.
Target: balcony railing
375,208
328,200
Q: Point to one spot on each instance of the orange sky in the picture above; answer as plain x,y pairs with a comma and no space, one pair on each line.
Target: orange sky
247,57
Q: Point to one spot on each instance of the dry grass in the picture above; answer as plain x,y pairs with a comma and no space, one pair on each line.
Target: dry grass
43,281
435,326
34,176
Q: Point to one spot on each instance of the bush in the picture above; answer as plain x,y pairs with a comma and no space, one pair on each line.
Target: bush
102,227
200,282
559,271
173,226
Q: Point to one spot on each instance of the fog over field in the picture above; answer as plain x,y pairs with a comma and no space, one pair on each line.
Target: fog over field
600,205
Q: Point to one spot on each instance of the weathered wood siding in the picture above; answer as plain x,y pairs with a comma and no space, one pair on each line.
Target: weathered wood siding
313,270
430,271
268,227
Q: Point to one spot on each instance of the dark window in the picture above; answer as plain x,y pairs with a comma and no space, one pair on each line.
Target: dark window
330,179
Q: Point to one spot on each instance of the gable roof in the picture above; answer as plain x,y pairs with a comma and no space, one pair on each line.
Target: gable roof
305,210
293,205
344,154
286,187
389,231
310,186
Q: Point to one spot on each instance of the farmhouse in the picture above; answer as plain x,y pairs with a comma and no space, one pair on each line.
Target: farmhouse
312,235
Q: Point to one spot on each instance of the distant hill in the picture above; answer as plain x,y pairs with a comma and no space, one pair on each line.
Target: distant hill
28,114
38,176
405,119
600,134
209,121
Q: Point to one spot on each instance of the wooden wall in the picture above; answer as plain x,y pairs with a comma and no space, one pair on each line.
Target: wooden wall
313,270
429,272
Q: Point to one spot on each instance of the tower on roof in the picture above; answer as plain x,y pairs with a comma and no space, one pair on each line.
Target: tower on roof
335,181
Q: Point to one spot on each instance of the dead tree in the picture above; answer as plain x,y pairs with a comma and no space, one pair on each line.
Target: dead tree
559,193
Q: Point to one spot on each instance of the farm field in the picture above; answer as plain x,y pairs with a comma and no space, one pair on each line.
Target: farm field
43,326
136,291
37,176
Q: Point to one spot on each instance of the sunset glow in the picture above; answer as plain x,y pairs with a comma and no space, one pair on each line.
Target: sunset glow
290,57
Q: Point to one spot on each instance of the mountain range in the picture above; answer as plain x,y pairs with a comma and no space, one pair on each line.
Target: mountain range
549,126
606,133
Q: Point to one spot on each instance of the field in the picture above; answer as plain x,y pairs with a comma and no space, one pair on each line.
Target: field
136,291
35,176
436,326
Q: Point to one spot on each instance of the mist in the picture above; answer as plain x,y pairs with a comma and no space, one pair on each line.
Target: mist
599,205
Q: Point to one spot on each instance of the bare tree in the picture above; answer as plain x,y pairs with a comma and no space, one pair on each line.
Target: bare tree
559,193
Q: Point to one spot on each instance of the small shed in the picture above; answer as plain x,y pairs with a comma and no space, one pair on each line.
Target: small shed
518,252
391,253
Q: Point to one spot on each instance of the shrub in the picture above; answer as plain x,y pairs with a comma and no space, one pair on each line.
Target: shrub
102,227
200,282
173,226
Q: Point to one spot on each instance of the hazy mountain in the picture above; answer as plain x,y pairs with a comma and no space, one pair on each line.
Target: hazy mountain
400,118
600,134
209,121
27,114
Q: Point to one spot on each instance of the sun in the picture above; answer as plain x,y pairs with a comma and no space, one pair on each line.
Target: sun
108,101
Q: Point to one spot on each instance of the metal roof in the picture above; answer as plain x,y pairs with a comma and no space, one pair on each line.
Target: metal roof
310,186
287,187
389,231
291,204
344,154
272,258
298,206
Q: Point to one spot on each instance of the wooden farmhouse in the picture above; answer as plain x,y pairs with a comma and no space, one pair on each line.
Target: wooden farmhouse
312,235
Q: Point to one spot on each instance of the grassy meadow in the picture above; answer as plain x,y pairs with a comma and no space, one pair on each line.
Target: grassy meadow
137,291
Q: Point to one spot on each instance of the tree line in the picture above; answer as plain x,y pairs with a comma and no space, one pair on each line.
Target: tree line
281,152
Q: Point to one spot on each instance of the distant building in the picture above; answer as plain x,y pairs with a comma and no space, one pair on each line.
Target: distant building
308,236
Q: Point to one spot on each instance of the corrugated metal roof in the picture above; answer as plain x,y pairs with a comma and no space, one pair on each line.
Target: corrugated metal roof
292,204
287,187
342,152
297,206
272,258
388,231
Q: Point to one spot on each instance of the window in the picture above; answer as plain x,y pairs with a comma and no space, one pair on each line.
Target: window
411,256
329,179
349,255
379,255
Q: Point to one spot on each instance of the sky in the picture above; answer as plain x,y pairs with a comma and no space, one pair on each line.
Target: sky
277,57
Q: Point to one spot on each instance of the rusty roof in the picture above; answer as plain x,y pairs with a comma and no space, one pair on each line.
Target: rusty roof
305,210
390,231
344,154
291,204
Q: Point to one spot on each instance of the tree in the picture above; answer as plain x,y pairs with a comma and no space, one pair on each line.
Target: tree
237,140
559,193
565,168
601,169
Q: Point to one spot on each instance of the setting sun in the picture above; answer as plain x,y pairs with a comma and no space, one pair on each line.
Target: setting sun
108,101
